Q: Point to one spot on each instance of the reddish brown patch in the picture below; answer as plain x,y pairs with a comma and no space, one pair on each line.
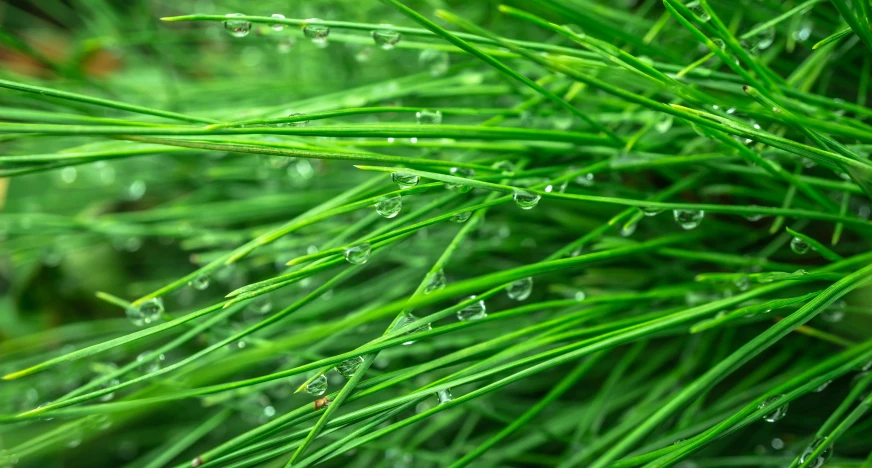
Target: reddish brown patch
321,402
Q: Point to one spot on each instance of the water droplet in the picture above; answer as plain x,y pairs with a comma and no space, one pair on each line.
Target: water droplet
358,254
835,312
699,11
628,229
688,219
435,61
444,396
754,217
821,459
474,311
298,123
778,413
505,166
316,32
149,363
460,172
389,206
764,38
803,32
651,211
526,200
664,124
428,117
348,367
199,283
719,43
585,180
105,369
407,319
461,217
237,28
260,305
799,245
386,38
68,175
74,437
404,181
136,190
823,386
363,55
780,276
435,281
277,26
742,282
318,386
146,313
521,289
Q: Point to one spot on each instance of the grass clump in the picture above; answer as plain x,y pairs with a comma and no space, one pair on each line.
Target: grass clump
548,233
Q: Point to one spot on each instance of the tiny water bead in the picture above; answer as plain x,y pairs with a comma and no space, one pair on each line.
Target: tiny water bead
764,38
428,117
505,166
435,61
460,172
260,305
585,180
821,459
461,218
318,386
742,282
779,411
348,367
358,254
628,229
435,281
316,32
688,219
699,11
474,311
237,28
651,211
389,206
835,312
444,396
521,289
526,200
277,26
799,245
199,283
403,180
146,313
386,38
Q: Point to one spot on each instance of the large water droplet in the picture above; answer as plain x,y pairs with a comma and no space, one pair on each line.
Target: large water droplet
358,254
803,32
404,181
778,413
389,206
688,219
799,245
474,311
318,386
69,175
136,190
444,396
764,38
428,117
435,61
699,11
526,200
149,363
237,28
385,37
521,289
316,32
435,281
348,367
277,26
146,313
460,172
821,459
628,229
199,283
461,217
